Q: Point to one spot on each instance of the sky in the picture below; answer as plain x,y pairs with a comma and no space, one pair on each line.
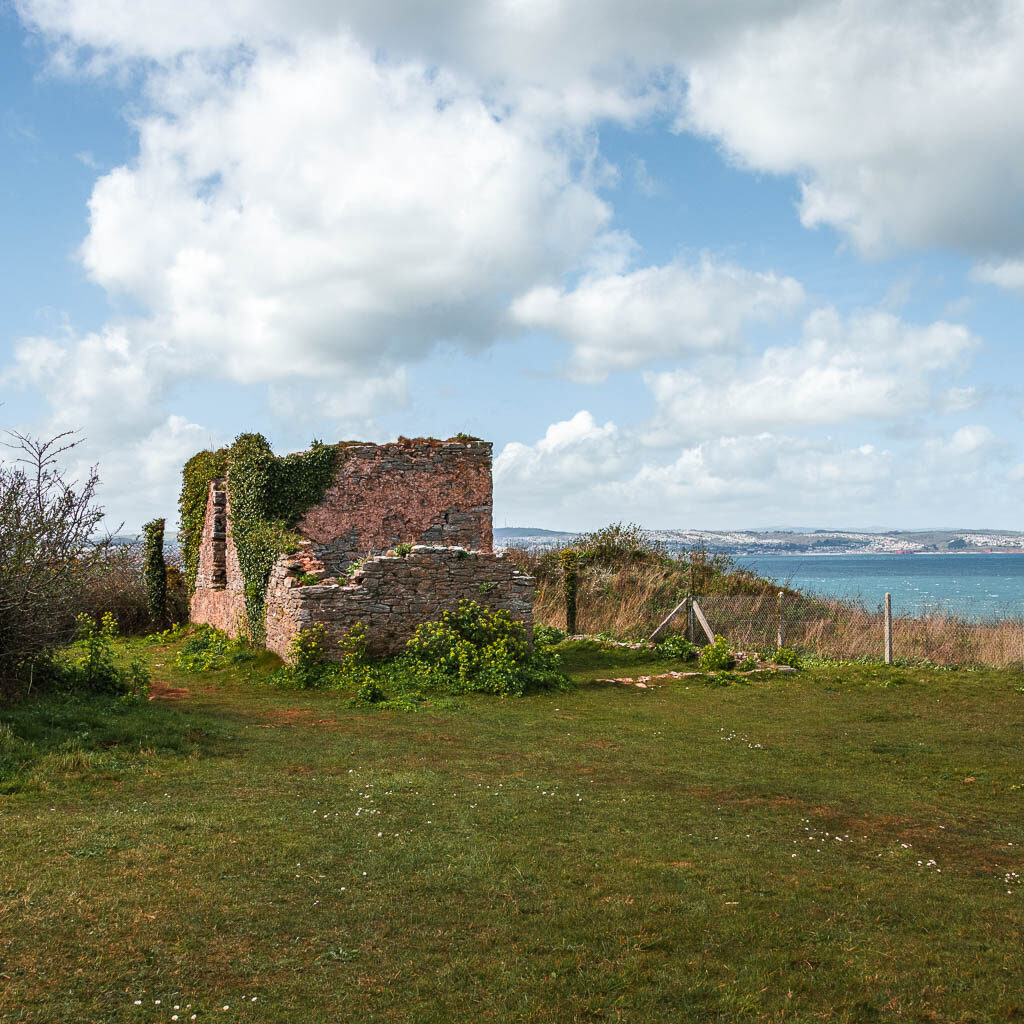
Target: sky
708,264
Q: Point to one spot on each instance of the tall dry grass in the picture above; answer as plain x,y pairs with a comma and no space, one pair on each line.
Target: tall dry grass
627,602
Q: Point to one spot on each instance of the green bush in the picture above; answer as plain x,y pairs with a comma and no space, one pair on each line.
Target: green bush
90,665
355,645
472,650
717,656
678,647
619,544
307,657
548,635
369,692
475,650
786,656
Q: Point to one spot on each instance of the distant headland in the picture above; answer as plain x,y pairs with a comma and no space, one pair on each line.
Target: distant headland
798,542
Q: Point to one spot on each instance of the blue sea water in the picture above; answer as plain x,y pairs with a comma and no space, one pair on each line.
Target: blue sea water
973,585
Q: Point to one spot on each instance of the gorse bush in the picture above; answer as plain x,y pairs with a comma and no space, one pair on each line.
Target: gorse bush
617,545
471,650
717,656
786,656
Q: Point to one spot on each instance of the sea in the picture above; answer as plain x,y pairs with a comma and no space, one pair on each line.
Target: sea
979,587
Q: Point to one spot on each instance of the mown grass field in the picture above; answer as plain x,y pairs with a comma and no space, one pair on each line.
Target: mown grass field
844,844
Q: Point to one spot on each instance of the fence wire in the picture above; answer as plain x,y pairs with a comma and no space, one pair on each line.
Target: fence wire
842,630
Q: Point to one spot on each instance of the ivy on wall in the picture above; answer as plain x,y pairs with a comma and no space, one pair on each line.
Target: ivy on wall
195,487
268,496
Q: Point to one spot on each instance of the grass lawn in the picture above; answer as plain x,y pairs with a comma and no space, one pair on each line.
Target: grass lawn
844,844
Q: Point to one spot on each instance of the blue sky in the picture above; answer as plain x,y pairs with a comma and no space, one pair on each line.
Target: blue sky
712,264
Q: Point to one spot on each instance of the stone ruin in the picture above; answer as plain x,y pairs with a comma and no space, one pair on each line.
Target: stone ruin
433,495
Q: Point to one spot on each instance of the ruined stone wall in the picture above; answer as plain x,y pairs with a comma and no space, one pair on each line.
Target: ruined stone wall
391,596
413,492
219,597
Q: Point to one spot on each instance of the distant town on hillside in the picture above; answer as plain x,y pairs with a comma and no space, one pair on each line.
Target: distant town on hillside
796,542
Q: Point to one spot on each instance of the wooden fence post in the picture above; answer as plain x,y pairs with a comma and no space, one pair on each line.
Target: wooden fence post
704,624
665,622
691,622
779,636
888,629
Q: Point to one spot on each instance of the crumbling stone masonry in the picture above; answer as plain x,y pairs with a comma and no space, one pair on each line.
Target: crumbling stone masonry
434,495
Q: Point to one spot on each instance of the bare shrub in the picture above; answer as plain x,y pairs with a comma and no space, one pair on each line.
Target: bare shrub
47,552
116,586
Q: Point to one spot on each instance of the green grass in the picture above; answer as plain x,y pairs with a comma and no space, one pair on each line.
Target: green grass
832,845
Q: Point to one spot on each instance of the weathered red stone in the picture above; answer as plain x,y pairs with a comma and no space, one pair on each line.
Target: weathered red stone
428,493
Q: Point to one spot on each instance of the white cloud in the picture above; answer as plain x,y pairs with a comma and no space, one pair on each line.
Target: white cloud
350,403
1007,274
140,477
576,59
582,475
573,453
104,383
319,210
622,320
967,447
872,366
900,120
960,399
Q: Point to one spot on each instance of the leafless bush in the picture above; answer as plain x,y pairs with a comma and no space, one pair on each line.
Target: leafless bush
118,586
47,552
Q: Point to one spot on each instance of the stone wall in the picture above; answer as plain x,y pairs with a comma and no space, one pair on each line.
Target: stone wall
219,597
413,492
391,596
432,494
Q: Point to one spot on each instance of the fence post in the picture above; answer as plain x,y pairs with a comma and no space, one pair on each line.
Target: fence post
888,629
691,622
779,636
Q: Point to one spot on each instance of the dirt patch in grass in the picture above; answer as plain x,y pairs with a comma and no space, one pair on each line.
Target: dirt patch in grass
161,691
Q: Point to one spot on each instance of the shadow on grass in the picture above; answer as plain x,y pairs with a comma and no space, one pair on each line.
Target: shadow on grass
44,739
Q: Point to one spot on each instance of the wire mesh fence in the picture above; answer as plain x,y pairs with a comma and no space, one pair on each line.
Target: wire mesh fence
844,630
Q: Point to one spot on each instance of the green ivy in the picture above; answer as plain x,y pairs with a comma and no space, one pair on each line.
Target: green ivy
195,487
268,496
154,572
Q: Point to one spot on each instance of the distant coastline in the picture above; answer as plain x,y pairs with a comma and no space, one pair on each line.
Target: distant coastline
798,542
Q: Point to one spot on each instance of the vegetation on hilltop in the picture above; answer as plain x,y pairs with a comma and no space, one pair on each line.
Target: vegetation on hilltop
626,582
